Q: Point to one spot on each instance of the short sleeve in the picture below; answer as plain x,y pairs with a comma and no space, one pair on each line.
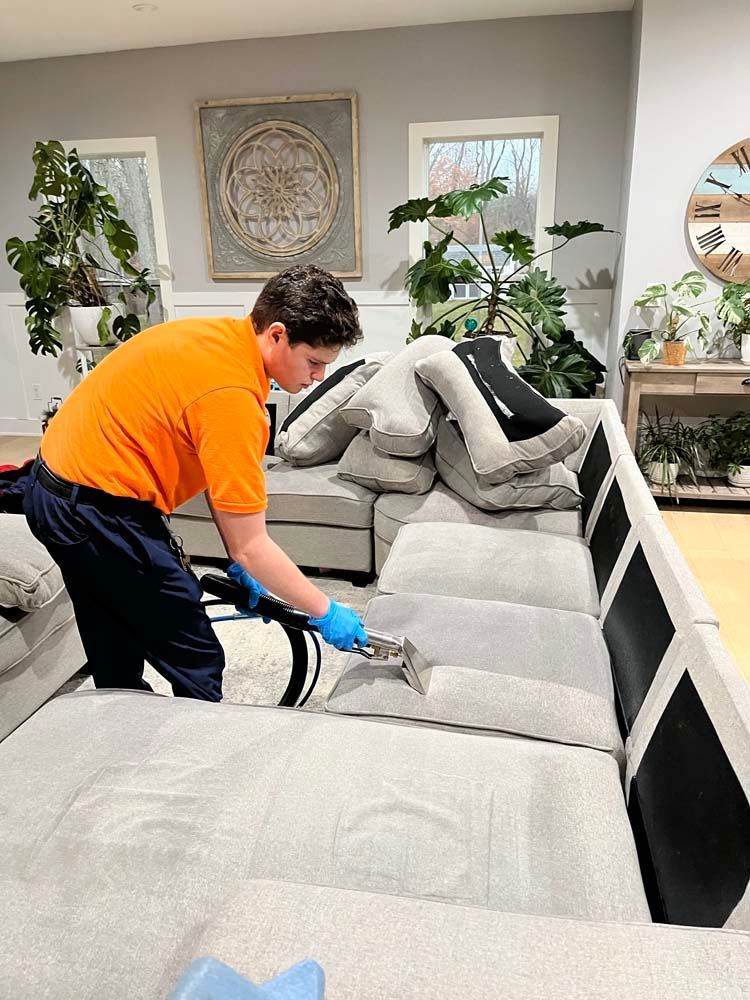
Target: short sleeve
229,430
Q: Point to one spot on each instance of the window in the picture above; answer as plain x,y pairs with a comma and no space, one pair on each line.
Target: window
129,170
444,156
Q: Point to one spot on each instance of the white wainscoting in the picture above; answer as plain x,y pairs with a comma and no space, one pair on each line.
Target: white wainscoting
28,381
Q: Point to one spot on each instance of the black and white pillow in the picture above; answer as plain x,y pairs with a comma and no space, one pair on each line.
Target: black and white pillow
315,432
508,427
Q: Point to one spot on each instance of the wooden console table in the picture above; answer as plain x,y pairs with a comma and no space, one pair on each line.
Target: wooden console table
697,378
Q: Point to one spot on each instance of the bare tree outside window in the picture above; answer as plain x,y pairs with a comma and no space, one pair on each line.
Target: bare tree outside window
459,163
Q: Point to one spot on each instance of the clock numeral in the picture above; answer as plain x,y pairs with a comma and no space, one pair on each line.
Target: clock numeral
731,261
741,158
711,211
711,240
719,184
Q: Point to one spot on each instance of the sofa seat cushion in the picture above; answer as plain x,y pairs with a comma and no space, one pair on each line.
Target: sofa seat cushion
153,822
393,511
317,496
470,560
499,668
29,577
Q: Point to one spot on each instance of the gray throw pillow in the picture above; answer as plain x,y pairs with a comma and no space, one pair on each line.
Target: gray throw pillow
555,487
397,408
29,577
366,465
508,427
315,432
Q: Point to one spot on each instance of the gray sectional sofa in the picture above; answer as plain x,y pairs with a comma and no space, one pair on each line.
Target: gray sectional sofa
565,815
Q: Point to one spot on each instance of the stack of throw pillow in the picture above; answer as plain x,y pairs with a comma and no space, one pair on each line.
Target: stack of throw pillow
439,408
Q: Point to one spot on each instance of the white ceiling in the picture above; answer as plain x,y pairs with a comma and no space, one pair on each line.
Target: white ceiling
34,29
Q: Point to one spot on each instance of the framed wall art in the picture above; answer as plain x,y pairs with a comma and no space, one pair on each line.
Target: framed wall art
280,184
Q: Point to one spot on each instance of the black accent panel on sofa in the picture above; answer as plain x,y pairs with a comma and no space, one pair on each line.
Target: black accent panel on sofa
645,861
638,631
320,390
608,537
694,815
528,414
596,465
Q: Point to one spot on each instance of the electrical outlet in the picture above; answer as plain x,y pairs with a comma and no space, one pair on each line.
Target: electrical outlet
36,390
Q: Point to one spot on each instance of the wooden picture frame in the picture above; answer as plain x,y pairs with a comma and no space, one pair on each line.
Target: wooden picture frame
239,227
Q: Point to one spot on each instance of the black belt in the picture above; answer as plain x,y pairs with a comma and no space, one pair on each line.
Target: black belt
63,488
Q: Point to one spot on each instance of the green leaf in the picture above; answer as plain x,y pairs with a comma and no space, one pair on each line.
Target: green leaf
692,283
541,299
520,247
557,377
125,327
571,230
431,280
414,210
652,295
648,351
468,201
102,327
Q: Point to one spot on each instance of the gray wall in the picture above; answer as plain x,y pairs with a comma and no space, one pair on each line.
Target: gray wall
576,67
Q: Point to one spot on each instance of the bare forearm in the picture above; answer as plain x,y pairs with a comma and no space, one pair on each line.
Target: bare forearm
272,567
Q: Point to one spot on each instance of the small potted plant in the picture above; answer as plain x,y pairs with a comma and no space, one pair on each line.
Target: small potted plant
667,445
734,447
64,264
733,309
682,316
709,438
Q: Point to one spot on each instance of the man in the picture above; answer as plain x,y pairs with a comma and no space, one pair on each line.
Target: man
179,409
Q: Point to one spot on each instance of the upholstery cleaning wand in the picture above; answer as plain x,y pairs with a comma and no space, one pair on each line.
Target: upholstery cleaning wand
380,645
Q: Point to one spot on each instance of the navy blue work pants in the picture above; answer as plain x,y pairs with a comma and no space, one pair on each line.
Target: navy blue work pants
133,598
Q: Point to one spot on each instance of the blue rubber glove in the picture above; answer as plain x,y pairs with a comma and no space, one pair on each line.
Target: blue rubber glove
254,590
341,627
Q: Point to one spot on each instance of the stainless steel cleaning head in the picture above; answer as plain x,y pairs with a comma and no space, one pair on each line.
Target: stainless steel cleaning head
417,671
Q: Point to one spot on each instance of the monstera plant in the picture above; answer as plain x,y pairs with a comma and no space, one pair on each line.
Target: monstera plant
516,297
62,264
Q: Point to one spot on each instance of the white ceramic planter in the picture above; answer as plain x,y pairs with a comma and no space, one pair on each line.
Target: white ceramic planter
742,478
85,319
745,348
655,473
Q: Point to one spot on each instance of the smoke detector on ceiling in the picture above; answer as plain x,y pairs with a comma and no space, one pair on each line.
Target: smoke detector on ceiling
144,8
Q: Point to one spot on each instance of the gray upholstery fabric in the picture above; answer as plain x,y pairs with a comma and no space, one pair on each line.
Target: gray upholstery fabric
317,496
29,578
496,457
129,819
554,487
317,433
374,947
397,408
589,412
366,465
496,667
515,566
325,546
37,654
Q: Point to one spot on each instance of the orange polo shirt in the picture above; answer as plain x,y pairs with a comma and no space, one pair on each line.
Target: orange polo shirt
178,409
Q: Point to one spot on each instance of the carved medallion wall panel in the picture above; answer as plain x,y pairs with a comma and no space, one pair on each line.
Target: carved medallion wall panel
280,184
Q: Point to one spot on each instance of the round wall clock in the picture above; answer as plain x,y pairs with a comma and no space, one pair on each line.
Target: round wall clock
718,215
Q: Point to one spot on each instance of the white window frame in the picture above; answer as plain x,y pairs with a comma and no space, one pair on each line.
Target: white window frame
141,146
544,127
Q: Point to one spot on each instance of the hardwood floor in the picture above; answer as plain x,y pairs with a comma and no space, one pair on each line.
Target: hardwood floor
716,544
15,450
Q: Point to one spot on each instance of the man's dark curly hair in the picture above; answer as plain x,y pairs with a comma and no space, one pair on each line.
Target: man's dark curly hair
312,305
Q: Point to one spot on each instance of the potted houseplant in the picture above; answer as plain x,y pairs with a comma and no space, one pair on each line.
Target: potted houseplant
709,437
62,264
516,298
734,447
667,445
733,309
682,316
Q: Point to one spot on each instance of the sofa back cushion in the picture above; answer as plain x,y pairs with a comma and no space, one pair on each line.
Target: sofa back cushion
554,487
366,465
688,785
508,427
397,408
29,577
315,432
